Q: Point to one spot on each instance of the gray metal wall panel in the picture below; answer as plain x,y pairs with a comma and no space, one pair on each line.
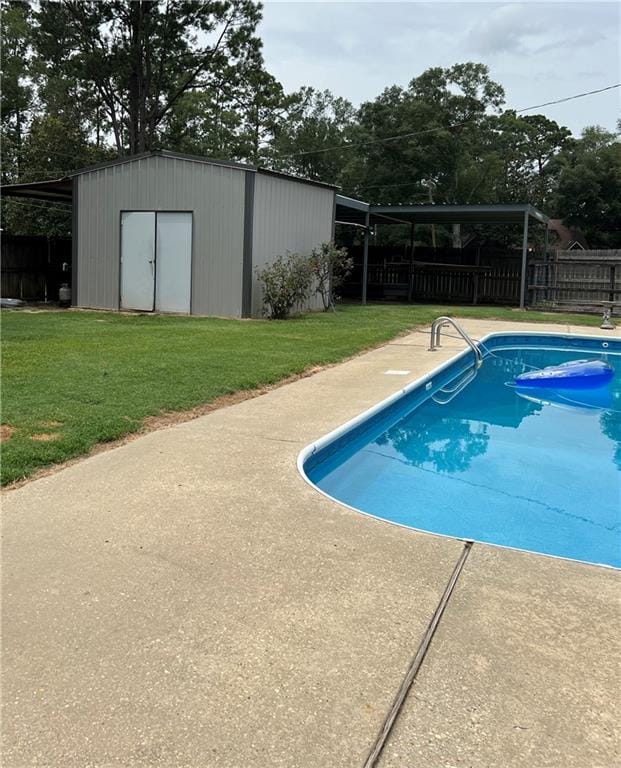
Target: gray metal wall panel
215,195
288,216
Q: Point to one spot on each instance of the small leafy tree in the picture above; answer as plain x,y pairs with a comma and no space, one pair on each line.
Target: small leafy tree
286,282
330,266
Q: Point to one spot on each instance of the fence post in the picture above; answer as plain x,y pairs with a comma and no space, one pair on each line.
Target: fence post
411,270
524,262
365,258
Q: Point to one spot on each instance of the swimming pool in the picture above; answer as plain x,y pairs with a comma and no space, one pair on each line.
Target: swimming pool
486,463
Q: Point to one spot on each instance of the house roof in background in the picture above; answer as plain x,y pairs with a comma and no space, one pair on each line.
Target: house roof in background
567,236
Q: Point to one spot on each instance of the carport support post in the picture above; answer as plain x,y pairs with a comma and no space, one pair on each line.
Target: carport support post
411,270
365,258
524,262
74,243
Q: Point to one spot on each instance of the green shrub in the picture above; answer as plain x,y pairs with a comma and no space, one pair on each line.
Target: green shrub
286,282
330,266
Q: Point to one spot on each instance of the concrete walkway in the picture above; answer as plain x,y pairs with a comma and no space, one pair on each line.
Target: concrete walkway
188,600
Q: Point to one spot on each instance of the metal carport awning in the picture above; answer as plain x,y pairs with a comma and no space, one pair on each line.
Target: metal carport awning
58,190
459,214
357,212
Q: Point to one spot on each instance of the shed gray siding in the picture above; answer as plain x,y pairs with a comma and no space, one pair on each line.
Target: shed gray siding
215,194
288,216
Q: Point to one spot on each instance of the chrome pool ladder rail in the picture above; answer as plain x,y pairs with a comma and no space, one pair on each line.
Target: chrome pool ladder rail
436,329
452,392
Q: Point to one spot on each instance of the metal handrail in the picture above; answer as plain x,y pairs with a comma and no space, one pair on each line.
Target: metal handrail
436,329
452,392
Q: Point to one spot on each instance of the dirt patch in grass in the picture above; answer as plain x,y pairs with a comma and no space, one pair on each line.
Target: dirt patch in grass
6,432
44,437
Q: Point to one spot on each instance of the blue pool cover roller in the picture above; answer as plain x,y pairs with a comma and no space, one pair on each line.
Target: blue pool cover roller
576,374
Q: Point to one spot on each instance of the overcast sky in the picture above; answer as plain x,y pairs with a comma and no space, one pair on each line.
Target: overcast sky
539,51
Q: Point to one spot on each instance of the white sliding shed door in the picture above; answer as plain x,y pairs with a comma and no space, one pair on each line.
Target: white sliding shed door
137,260
173,281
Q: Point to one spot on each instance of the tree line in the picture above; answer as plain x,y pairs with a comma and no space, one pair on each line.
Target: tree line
85,81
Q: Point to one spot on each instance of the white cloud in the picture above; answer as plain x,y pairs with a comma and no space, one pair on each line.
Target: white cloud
509,28
538,51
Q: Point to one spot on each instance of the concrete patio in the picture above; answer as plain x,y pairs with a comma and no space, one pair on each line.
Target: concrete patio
188,600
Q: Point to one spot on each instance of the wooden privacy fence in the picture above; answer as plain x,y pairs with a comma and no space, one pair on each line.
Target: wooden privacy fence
32,267
462,281
576,278
467,284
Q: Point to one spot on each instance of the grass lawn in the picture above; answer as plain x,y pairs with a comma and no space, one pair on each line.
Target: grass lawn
74,379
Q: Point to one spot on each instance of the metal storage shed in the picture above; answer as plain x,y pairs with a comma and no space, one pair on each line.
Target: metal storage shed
170,232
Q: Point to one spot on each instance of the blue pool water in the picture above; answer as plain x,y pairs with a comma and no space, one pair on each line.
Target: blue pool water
541,474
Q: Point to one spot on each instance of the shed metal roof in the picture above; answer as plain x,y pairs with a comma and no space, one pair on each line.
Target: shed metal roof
60,189
159,153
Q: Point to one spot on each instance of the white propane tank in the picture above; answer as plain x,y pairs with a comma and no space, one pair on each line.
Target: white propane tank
64,295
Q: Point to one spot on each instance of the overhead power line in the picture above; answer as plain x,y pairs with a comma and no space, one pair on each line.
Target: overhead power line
570,98
396,137
441,128
38,204
374,141
55,172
